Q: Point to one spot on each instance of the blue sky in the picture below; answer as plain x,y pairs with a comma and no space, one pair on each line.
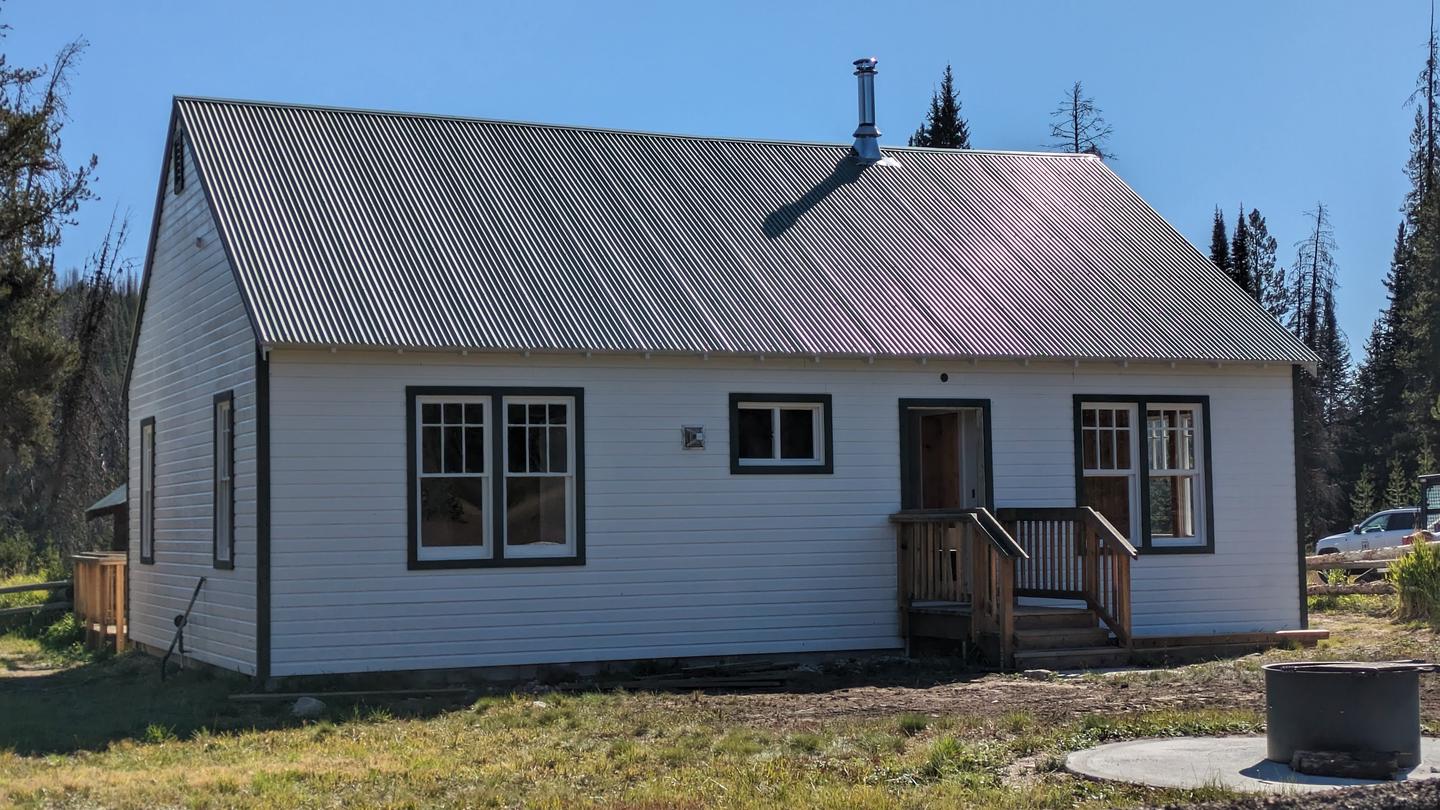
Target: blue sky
1276,104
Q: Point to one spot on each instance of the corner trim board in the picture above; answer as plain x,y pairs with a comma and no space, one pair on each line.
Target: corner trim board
262,516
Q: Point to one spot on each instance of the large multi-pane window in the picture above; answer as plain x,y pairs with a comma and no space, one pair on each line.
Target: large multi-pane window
1142,466
223,480
496,477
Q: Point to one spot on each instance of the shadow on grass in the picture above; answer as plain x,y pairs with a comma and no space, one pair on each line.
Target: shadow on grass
90,706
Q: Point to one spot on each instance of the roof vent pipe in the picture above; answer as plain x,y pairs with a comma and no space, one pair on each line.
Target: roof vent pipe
867,136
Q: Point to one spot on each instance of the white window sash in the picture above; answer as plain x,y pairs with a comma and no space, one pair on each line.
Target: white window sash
485,549
1196,475
537,550
817,431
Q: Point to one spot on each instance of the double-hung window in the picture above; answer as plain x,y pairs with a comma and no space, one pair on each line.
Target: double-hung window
780,433
1143,464
147,490
496,477
223,484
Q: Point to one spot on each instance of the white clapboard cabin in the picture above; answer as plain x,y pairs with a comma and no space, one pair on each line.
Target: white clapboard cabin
415,392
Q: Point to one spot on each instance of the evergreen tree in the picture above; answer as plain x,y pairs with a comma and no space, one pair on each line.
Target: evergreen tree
42,193
1401,488
944,127
1240,256
1363,497
1266,276
1077,125
1219,243
1313,278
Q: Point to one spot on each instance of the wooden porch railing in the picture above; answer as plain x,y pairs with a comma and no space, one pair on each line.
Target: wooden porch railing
959,557
1074,553
100,597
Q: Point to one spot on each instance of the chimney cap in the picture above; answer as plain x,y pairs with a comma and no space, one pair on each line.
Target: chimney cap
865,64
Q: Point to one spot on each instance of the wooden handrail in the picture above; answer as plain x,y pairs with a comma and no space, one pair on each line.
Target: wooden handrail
980,517
1075,554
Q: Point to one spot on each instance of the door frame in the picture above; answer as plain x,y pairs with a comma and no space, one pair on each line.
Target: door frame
909,469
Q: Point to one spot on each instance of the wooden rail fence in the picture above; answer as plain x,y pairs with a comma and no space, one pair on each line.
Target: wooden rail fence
62,585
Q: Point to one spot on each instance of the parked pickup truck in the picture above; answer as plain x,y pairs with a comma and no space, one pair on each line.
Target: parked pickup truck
1391,527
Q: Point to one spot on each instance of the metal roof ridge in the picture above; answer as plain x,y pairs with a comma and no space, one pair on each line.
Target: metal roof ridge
294,105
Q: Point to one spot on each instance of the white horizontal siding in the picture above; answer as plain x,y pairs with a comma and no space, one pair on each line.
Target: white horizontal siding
684,558
195,342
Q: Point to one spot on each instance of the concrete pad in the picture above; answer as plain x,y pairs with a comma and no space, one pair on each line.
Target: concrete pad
1237,763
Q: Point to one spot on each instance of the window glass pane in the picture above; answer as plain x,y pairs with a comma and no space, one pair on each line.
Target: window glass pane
557,413
1172,506
537,414
559,462
474,413
536,448
1107,449
430,449
1089,450
535,511
430,413
1087,417
474,449
454,449
452,511
1122,417
1122,449
453,412
755,429
515,448
1110,496
515,414
1107,418
797,433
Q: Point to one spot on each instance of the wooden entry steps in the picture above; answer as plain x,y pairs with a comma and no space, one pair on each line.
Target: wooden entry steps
1064,638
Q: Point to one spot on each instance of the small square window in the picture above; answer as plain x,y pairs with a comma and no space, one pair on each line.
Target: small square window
780,433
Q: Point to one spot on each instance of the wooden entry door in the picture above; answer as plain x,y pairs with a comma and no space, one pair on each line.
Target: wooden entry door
945,455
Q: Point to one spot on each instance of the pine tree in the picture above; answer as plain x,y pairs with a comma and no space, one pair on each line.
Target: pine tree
1267,277
42,194
1079,127
1401,488
1363,496
1240,256
943,127
1219,243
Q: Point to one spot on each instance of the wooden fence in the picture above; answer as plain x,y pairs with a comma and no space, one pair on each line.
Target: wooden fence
100,598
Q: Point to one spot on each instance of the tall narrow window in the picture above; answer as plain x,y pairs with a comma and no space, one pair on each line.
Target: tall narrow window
147,490
539,477
453,483
1156,492
497,477
224,480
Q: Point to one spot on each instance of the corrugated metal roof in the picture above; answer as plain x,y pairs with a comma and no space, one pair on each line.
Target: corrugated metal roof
371,229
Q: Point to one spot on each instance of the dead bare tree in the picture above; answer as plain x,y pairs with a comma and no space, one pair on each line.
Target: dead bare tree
1077,126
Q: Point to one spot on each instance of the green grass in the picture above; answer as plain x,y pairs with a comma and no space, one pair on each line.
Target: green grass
108,733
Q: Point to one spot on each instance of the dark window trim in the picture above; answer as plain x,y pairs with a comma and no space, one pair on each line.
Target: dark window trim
497,478
1143,447
227,564
827,419
147,489
910,473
